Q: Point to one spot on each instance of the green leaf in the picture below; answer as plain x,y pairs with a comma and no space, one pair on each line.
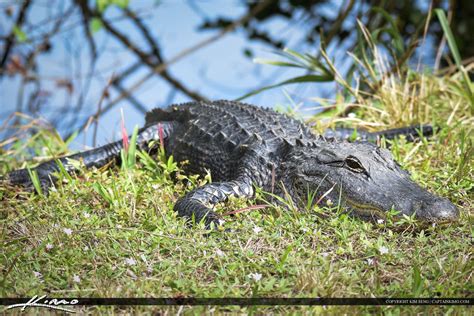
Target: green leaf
35,180
417,282
297,55
301,79
19,34
71,138
354,135
132,149
449,36
102,191
95,25
276,63
393,30
102,5
457,57
284,257
62,170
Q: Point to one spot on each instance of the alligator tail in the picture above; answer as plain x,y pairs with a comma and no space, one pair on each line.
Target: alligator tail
97,157
411,133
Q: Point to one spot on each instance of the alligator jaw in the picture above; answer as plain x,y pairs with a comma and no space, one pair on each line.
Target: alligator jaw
370,212
367,212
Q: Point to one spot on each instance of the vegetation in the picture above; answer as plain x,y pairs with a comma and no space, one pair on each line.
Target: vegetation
113,233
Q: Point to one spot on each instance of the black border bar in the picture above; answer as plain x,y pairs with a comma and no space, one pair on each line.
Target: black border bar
271,301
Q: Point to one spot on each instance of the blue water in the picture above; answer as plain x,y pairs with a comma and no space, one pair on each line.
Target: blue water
217,71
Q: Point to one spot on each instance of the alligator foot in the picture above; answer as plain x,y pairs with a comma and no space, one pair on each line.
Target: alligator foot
195,212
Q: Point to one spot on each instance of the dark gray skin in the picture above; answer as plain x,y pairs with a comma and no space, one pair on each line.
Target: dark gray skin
245,146
358,166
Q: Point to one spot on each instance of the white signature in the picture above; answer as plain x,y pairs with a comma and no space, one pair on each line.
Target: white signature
53,303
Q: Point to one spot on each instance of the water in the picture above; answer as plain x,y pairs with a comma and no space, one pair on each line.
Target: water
217,71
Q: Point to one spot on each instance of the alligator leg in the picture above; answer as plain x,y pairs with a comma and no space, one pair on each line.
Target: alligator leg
197,204
411,133
96,157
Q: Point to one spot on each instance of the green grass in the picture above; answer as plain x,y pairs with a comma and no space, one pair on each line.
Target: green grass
113,233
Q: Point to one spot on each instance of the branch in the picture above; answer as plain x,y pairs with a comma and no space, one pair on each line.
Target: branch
146,34
140,107
86,17
155,51
160,68
10,40
143,56
339,20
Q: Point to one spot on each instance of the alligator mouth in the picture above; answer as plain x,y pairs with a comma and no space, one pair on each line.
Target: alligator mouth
364,211
369,212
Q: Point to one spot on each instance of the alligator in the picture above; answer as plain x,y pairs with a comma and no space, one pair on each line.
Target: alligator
245,147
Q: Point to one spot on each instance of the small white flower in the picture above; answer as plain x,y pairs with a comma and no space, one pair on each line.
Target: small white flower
130,262
324,254
76,279
383,250
380,221
220,253
67,231
256,276
37,274
49,246
433,225
257,229
204,252
155,186
119,226
370,261
351,115
86,215
55,225
86,248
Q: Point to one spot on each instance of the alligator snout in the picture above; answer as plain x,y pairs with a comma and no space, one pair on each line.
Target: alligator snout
437,209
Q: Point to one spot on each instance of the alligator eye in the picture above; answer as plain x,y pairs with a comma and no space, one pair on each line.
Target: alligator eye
353,164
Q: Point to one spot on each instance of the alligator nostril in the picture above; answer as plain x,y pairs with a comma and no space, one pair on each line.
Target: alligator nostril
440,209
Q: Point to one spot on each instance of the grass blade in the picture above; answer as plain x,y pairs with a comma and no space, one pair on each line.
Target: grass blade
300,79
455,51
132,150
35,180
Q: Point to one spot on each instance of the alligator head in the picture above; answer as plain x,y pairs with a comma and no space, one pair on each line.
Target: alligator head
363,178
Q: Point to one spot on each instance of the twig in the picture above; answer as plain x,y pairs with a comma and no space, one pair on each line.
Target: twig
262,5
425,33
104,95
442,45
86,19
140,107
10,40
146,34
339,20
117,84
143,56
